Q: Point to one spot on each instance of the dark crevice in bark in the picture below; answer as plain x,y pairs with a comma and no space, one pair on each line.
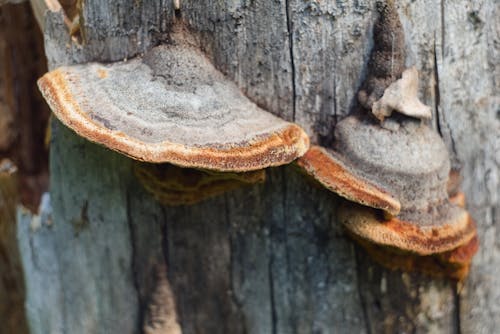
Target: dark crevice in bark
285,221
443,27
437,99
455,159
456,300
274,318
360,295
23,115
270,271
335,101
234,298
493,215
134,266
289,26
34,255
164,239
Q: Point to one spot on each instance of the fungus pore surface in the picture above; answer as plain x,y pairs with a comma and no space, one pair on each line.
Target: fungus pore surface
451,231
171,185
452,264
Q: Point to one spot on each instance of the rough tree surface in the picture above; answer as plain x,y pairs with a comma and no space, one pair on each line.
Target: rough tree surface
271,259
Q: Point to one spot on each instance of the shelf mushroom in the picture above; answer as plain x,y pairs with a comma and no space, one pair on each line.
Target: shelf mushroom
394,169
173,186
172,107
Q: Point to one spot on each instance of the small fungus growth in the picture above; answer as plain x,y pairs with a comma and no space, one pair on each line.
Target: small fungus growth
405,207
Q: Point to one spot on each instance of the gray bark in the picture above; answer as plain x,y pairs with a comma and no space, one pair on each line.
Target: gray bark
272,258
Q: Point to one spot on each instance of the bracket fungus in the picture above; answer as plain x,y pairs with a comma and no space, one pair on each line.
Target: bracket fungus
327,168
171,106
397,164
171,185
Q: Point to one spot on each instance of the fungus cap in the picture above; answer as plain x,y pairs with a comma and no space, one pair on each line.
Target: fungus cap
398,164
172,106
452,264
403,168
325,167
452,230
408,160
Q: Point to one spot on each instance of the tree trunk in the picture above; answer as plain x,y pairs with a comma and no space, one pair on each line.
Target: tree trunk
270,258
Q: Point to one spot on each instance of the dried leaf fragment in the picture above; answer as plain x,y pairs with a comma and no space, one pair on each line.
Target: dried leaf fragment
401,96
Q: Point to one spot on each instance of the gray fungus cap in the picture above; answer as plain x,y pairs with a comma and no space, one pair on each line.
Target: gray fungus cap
171,105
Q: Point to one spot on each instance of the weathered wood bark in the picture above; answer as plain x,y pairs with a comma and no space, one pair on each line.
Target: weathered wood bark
12,315
271,259
23,119
23,113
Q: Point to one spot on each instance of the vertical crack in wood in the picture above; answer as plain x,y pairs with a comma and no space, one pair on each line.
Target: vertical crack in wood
362,300
135,279
335,107
493,214
443,27
164,240
285,220
437,102
456,300
230,234
437,98
34,255
274,318
289,26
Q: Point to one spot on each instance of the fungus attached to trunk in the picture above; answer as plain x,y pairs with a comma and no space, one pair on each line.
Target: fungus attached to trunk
453,264
171,105
395,163
447,229
329,170
171,185
403,172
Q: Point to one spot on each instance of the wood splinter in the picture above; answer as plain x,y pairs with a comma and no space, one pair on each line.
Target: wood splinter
161,314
